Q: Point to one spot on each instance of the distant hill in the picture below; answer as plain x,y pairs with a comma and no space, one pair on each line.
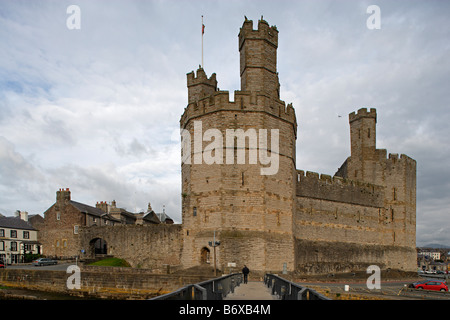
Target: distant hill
435,245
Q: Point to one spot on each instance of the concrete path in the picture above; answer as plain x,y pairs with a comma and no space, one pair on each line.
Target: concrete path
253,290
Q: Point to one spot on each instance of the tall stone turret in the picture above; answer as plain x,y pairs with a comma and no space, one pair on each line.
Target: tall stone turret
258,58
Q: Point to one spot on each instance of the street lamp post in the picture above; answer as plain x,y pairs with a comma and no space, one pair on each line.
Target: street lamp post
214,244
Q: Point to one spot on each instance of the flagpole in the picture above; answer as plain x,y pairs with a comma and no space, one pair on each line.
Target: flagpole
202,40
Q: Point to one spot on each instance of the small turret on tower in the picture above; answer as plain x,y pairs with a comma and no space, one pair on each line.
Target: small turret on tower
258,58
363,133
200,86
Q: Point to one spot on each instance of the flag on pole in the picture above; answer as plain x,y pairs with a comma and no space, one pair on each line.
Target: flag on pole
203,31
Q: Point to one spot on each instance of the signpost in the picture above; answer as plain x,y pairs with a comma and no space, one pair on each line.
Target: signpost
214,244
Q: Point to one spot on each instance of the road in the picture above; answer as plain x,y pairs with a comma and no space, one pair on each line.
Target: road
397,290
56,267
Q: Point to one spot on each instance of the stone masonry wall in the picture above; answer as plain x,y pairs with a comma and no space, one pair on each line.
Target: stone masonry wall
144,246
100,282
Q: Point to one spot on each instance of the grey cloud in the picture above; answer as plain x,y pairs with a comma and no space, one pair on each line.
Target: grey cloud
111,90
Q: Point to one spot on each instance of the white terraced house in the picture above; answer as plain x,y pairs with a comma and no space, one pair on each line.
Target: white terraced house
17,238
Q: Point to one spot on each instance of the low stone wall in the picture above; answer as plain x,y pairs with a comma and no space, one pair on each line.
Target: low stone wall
126,283
322,257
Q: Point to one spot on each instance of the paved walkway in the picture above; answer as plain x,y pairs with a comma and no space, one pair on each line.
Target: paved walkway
253,290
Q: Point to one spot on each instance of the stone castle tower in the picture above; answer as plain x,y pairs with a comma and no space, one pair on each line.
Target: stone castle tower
267,214
250,212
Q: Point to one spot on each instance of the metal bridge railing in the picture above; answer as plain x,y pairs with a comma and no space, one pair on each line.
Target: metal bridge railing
288,290
214,289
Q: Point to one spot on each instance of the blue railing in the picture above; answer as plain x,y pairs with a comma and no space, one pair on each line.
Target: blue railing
288,290
215,289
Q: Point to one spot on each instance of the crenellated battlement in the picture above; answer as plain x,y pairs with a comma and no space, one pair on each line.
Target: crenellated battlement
200,86
363,113
244,101
201,78
403,158
328,179
323,186
264,31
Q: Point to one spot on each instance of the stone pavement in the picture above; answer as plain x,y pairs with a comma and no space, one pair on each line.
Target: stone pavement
253,290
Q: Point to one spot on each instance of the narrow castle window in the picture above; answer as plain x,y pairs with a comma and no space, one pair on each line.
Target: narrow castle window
195,211
368,133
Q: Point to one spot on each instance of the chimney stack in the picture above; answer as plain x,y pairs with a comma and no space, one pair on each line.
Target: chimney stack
63,196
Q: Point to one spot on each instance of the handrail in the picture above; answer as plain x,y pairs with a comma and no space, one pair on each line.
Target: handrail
214,289
218,288
288,290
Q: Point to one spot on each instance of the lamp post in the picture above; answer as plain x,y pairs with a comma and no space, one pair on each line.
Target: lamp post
214,244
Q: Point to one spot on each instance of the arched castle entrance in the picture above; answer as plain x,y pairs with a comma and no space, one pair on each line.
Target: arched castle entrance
98,246
205,255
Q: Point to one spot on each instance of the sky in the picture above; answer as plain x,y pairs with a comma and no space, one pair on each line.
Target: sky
96,109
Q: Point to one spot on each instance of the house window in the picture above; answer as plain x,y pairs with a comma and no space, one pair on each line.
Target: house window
57,243
13,233
26,234
58,215
13,246
64,243
75,229
2,245
2,232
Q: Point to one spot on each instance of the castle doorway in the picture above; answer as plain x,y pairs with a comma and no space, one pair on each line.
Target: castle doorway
204,255
98,246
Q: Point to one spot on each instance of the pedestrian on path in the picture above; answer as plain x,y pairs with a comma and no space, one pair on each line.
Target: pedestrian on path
245,271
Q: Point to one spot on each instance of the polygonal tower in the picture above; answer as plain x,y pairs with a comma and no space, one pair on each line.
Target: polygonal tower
238,170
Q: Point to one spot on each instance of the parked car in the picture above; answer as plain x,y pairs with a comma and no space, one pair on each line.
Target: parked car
437,285
2,264
44,262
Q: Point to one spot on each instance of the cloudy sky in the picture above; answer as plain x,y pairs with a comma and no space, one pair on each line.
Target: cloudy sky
97,109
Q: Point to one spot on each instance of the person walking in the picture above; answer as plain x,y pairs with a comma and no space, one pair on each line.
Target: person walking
245,271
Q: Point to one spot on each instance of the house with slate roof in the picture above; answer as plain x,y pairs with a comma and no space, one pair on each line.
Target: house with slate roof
17,238
60,232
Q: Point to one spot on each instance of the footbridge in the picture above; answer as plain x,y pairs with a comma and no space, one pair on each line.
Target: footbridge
231,287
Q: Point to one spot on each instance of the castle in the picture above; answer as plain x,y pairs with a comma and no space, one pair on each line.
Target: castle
250,197
365,214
